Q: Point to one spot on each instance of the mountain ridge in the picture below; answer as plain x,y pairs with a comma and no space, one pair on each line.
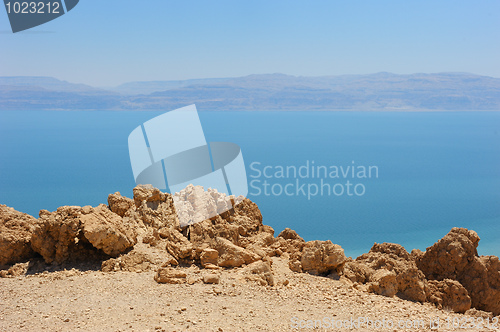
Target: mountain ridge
378,91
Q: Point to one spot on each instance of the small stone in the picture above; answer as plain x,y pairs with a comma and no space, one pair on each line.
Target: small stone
211,279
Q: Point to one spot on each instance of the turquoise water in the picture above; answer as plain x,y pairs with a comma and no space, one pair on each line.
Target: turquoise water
435,170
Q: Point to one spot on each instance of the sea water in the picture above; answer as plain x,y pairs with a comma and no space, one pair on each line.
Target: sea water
431,171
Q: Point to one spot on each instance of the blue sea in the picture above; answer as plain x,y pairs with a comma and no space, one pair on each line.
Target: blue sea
435,170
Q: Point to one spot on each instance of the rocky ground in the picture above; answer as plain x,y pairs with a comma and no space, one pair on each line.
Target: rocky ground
129,266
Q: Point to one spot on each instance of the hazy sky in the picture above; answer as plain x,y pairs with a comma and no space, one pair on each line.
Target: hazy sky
108,42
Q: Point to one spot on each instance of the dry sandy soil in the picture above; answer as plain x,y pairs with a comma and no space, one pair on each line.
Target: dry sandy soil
74,300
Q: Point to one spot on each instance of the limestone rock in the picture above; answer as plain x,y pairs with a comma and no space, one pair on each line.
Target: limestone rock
450,255
357,271
259,272
80,233
193,204
137,261
449,294
322,257
58,235
288,241
119,204
177,244
106,230
15,235
211,278
231,255
411,282
15,270
209,256
455,257
154,208
170,275
383,282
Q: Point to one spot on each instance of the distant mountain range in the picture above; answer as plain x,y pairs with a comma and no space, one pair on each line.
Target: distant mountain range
377,92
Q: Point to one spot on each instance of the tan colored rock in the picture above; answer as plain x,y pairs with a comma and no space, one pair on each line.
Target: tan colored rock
137,261
154,208
259,272
209,257
15,235
170,275
120,204
58,235
357,271
107,231
290,242
455,257
449,294
211,278
81,233
231,255
15,270
450,255
177,244
411,282
383,282
322,257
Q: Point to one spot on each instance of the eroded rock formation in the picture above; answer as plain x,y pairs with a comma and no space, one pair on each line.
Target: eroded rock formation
15,235
455,257
144,233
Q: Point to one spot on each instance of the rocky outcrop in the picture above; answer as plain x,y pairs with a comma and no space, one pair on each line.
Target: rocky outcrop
107,231
319,257
15,235
231,255
76,233
448,294
410,281
153,208
144,233
119,204
449,274
455,257
383,282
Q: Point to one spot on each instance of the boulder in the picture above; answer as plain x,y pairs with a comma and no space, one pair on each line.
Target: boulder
154,208
120,204
320,257
383,282
411,282
448,294
107,231
231,255
209,257
15,235
58,235
288,241
177,244
455,257
80,233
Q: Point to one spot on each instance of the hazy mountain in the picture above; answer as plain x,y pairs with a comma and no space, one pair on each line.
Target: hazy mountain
37,92
147,87
381,91
48,83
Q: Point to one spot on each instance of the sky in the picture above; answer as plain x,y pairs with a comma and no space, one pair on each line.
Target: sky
108,42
